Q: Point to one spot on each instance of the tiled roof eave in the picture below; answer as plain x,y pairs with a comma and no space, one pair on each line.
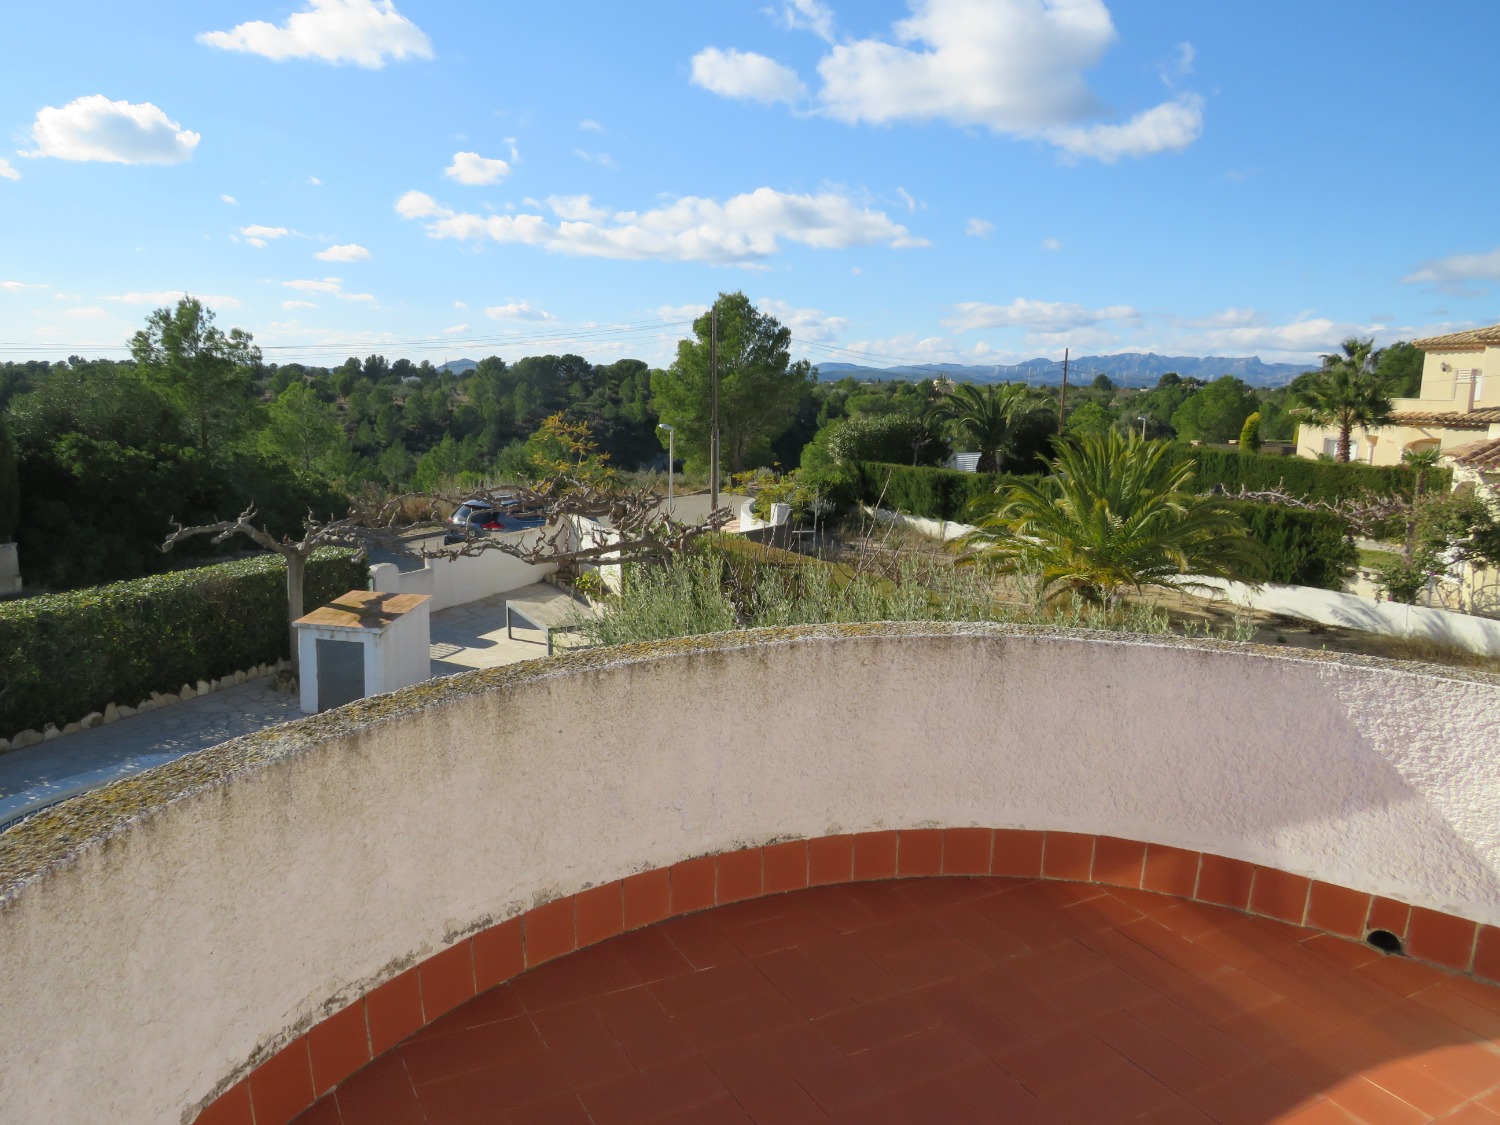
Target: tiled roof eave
1473,339
1448,420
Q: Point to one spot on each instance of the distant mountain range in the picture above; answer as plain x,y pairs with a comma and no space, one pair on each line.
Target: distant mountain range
1131,369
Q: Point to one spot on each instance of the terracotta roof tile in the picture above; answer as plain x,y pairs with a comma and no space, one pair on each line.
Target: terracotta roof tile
1462,341
1481,455
1452,419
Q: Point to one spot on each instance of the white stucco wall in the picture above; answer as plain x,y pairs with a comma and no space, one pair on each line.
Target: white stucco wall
458,581
307,864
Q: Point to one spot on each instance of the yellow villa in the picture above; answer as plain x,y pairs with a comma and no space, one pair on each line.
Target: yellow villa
1458,412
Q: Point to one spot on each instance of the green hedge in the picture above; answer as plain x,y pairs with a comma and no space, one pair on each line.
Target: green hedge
1303,478
1302,548
64,655
939,494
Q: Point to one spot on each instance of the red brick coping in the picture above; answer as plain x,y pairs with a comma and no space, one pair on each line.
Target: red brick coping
314,1063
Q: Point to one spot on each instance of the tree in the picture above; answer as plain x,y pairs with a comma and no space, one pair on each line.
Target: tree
1090,419
759,386
201,370
1216,413
1347,392
1111,517
306,433
991,419
1400,367
10,484
899,439
561,448
358,530
1250,434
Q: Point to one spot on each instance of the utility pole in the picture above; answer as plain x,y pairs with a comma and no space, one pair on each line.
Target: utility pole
1062,399
713,407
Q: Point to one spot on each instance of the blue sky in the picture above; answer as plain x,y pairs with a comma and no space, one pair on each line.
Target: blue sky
973,181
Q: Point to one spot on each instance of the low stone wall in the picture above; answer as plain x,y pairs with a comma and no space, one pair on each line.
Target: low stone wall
162,938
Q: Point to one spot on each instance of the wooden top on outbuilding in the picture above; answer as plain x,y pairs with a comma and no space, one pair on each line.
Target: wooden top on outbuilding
363,609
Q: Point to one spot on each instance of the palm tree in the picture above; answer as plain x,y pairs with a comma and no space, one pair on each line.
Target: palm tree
1111,516
990,419
1419,461
1347,392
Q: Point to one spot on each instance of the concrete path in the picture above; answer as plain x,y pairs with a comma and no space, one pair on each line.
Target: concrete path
463,638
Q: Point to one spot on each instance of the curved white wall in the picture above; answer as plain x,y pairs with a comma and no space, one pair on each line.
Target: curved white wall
265,883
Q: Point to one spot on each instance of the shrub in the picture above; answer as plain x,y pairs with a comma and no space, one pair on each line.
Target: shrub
1303,548
64,655
895,438
1250,434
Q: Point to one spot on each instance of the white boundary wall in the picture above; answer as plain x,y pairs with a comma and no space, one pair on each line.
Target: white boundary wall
268,881
451,582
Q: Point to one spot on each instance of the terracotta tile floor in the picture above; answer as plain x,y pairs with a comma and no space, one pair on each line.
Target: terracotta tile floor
952,1000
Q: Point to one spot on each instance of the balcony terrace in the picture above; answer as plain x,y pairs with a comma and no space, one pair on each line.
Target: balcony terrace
860,873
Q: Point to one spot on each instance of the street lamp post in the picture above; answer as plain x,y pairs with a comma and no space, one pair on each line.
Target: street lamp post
1142,420
671,460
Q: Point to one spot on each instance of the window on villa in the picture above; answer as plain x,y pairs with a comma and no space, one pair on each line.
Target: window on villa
1331,448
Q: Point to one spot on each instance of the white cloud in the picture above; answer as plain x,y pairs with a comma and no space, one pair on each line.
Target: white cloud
314,181
1458,272
1186,55
93,128
17,286
455,330
576,208
589,125
738,231
681,312
261,236
348,252
472,169
806,324
461,305
63,296
364,32
298,305
518,310
1303,337
808,15
332,286
910,201
229,199
165,297
1224,318
1051,244
1015,67
603,159
88,312
1037,316
979,228
1172,125
7,172
744,74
